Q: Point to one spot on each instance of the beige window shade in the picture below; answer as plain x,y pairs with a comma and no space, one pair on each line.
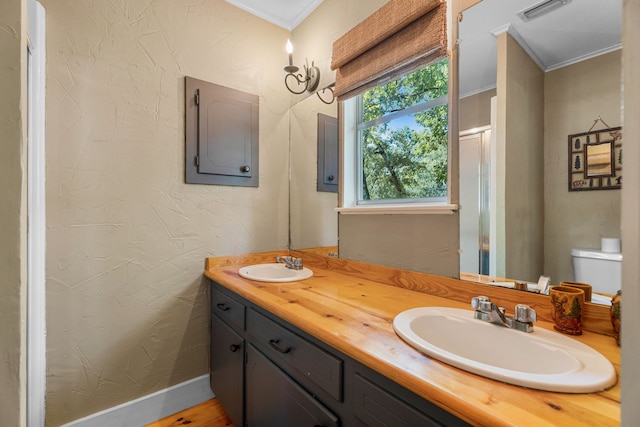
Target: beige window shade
400,37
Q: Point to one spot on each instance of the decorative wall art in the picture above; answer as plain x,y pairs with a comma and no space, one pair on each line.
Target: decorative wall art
595,159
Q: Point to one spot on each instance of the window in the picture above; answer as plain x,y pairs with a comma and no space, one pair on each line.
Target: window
400,140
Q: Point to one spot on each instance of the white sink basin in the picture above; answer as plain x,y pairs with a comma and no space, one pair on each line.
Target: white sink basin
274,272
542,359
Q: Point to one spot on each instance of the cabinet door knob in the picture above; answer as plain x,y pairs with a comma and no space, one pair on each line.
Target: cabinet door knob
245,168
275,345
222,306
234,348
330,177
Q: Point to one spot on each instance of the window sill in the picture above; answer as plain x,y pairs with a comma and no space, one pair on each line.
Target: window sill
397,209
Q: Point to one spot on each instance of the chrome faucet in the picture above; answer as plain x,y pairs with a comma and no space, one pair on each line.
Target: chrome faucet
489,312
290,262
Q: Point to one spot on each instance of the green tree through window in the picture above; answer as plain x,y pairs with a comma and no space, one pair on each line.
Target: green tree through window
403,137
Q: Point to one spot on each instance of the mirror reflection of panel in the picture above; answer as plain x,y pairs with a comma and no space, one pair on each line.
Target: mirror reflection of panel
313,219
327,153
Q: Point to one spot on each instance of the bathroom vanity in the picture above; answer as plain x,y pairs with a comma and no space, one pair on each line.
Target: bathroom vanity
322,352
289,378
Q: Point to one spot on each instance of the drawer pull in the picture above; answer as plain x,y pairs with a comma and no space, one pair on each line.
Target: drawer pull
274,344
222,306
234,348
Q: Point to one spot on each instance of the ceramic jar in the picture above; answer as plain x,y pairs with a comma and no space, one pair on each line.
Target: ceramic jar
566,309
584,286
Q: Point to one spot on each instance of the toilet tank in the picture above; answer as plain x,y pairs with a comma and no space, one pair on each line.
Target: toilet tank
602,270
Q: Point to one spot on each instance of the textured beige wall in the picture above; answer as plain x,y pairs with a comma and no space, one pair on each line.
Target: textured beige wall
574,97
521,105
475,110
127,307
13,276
425,243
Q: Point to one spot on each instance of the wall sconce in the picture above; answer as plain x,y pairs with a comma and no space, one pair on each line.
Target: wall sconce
307,82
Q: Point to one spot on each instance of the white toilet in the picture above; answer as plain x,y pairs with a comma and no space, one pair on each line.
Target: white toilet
602,269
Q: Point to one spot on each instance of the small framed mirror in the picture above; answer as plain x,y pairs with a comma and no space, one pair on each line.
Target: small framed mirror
595,160
599,158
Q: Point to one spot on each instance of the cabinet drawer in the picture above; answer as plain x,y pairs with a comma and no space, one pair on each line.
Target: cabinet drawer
377,408
228,309
300,358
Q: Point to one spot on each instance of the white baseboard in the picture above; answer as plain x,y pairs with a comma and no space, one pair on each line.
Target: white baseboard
152,407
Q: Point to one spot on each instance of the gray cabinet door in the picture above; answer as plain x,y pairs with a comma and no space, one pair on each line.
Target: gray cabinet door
377,408
225,135
227,368
221,135
327,153
275,400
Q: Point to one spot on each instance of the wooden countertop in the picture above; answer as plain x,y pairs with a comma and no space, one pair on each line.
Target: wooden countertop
354,314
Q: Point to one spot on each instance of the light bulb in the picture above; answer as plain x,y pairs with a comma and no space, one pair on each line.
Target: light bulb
290,52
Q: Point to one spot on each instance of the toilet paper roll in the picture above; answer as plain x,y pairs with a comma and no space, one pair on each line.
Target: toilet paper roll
610,245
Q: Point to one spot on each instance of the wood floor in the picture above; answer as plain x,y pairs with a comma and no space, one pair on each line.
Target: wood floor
206,414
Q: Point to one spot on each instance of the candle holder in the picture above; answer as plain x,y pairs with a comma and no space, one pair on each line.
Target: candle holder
307,81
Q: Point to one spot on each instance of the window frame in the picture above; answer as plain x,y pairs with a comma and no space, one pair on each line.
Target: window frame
351,149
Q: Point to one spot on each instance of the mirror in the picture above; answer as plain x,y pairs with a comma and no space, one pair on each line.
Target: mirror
577,86
313,219
568,110
599,159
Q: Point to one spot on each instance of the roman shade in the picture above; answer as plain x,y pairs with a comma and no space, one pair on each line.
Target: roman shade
401,36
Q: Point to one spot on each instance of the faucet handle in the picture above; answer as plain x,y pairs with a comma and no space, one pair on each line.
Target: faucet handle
524,313
481,303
